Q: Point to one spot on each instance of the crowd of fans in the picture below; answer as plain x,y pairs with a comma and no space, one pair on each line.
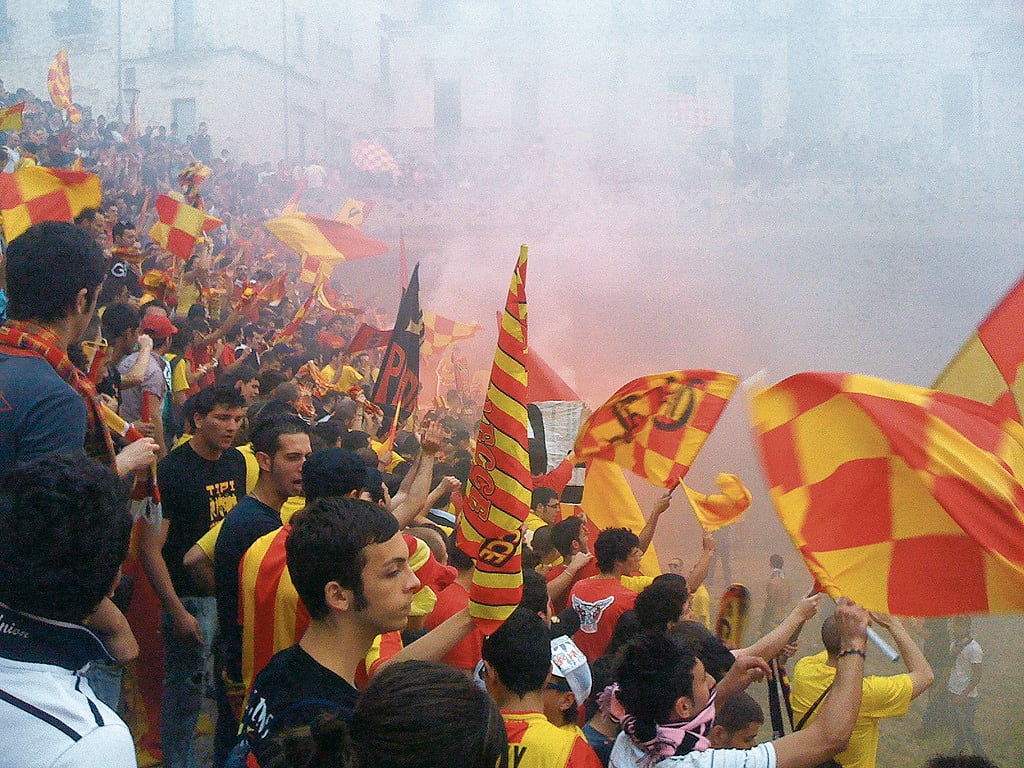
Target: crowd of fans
305,555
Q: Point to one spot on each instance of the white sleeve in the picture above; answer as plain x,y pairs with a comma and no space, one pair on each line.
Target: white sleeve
109,746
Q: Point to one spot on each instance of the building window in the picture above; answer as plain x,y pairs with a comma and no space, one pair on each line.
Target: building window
184,25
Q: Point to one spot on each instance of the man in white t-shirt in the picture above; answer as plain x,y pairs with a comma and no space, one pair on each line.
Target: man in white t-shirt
963,685
666,692
64,530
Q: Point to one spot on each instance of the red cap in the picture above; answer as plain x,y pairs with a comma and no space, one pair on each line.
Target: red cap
158,326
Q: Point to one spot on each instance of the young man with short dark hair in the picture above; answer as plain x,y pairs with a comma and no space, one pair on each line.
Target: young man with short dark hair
664,697
54,271
350,566
281,447
64,530
517,664
200,482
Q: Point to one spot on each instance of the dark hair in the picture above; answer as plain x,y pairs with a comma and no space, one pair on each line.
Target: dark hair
960,761
205,400
661,603
395,725
327,543
243,373
47,265
653,672
705,645
541,542
64,529
614,545
535,592
519,652
354,440
542,495
563,534
738,711
830,635
775,561
332,472
458,559
121,227
266,435
328,432
86,214
118,318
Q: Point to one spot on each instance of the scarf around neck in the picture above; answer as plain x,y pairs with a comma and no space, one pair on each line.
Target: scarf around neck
20,338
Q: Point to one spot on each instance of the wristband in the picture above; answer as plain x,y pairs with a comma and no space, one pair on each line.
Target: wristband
853,652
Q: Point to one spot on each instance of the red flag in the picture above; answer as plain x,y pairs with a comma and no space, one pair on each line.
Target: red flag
368,337
288,333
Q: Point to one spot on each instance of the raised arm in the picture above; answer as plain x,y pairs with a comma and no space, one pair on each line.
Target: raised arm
647,534
829,733
769,646
699,571
409,500
921,674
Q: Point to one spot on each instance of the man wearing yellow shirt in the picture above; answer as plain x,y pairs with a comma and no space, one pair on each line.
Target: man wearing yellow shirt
887,696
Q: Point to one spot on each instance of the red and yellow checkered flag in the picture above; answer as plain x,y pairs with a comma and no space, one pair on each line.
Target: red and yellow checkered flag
180,225
907,500
498,499
440,332
58,83
33,194
12,118
987,368
717,510
656,425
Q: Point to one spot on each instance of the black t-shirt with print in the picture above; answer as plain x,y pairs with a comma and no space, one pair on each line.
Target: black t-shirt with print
196,493
293,689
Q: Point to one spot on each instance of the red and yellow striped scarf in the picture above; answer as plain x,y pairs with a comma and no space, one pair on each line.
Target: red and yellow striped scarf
22,338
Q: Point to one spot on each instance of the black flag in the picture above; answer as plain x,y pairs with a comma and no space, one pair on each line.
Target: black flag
399,381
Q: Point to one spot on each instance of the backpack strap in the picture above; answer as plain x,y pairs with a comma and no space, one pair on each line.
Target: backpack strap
814,706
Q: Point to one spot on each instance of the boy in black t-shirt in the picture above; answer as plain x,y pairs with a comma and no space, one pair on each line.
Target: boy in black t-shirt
200,482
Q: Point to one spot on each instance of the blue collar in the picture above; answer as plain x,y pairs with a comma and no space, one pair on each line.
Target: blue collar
36,640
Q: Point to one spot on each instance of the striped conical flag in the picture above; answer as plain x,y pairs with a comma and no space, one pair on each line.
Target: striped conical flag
498,499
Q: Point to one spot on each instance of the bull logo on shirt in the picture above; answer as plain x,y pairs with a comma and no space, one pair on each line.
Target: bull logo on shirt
590,613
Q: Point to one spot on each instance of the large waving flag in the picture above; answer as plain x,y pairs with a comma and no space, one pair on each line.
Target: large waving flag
328,241
179,225
398,383
907,500
987,368
33,194
656,425
12,118
58,83
440,332
498,499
